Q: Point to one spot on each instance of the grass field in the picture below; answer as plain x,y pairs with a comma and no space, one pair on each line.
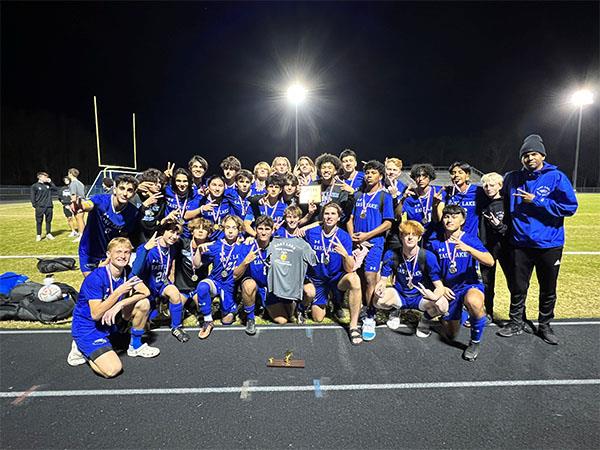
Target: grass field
578,283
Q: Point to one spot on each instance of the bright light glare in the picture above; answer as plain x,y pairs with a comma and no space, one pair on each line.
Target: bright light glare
582,98
296,94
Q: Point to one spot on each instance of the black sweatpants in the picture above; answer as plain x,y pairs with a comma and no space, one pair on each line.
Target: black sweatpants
547,264
488,274
40,214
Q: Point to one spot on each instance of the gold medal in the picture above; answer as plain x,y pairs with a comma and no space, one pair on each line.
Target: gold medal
363,214
224,274
194,277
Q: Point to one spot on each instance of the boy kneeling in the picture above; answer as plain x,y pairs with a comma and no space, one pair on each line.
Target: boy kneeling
106,292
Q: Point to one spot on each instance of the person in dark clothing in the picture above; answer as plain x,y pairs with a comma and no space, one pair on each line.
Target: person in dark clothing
41,200
492,233
152,204
537,199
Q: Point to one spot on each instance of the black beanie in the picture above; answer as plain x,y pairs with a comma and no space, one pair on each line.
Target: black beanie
532,143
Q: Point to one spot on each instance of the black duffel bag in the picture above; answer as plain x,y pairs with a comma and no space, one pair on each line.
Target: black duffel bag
52,265
23,303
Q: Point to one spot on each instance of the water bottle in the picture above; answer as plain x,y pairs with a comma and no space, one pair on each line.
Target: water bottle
49,279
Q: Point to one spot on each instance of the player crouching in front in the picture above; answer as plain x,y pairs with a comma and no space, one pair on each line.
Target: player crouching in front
459,255
106,292
413,268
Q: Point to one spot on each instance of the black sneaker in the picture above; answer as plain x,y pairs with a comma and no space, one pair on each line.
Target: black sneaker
180,334
547,334
251,327
511,329
339,312
471,352
301,317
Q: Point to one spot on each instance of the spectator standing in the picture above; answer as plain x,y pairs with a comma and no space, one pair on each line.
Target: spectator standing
77,193
41,200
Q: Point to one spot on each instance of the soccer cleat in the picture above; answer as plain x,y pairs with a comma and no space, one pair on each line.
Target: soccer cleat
471,352
75,357
511,329
547,334
368,329
393,322
180,334
38,238
250,327
144,351
338,312
50,237
423,328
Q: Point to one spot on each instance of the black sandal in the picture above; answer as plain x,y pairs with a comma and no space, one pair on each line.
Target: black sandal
355,336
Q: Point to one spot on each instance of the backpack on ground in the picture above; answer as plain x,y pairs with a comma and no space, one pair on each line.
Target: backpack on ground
52,265
23,303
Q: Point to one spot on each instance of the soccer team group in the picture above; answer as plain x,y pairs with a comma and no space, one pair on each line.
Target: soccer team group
371,240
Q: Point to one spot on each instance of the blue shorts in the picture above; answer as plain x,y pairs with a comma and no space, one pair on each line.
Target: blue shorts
455,307
409,302
261,292
95,343
372,261
226,293
322,290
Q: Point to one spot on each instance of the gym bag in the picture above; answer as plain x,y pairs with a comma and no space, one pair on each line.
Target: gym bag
23,303
51,265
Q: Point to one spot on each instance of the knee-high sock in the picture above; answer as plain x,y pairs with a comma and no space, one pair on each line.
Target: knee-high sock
136,337
249,310
204,299
477,327
176,310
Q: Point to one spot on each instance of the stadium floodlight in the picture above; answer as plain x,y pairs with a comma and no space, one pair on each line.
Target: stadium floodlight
580,99
296,94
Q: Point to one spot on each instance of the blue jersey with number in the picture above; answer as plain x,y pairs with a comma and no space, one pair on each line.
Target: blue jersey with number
394,264
96,286
157,267
320,243
257,269
104,224
239,206
224,258
468,200
370,204
467,267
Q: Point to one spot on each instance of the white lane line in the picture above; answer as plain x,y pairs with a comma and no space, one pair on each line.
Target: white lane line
581,253
277,328
307,388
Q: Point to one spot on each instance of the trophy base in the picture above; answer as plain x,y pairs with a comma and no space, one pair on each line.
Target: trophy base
291,364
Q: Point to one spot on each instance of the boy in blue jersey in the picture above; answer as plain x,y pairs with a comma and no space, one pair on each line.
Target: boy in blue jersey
109,216
418,200
270,205
463,194
537,199
106,292
253,271
334,272
198,166
230,167
261,172
411,267
224,254
154,265
214,206
181,199
350,175
370,220
394,184
459,255
238,196
333,189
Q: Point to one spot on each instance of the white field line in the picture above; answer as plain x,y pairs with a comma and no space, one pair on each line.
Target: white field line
275,328
306,388
77,256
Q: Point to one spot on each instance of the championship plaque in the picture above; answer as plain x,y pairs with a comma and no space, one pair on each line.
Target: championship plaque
310,194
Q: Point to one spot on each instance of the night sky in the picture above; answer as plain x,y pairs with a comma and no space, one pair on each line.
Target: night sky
385,79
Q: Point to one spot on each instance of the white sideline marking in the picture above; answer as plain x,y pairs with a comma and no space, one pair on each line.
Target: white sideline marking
308,388
77,256
278,328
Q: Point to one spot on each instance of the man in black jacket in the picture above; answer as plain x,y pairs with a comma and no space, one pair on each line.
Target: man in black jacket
41,200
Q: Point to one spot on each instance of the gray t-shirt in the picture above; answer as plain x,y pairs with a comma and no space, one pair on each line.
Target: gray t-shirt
290,258
76,187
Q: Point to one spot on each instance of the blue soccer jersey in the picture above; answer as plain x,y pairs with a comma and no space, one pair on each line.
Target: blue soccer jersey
265,208
224,258
468,200
420,209
409,273
157,267
256,190
369,213
183,203
457,269
330,265
239,206
356,181
104,224
257,269
222,209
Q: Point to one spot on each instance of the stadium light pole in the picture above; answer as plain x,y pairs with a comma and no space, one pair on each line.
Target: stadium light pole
580,99
296,94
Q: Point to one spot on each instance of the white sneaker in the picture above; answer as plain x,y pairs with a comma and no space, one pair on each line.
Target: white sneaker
50,237
393,322
77,239
38,238
75,357
145,351
423,328
368,329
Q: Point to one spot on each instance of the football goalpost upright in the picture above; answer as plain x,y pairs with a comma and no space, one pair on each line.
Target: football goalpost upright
111,170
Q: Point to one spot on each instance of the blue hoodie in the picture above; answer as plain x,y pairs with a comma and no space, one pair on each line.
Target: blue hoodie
539,224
